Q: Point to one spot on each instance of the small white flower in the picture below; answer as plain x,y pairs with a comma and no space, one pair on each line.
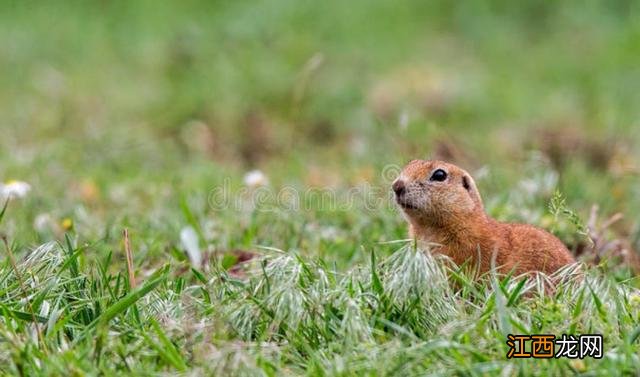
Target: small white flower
330,233
189,240
255,178
43,222
14,189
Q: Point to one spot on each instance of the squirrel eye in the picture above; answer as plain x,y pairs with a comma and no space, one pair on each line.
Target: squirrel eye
438,175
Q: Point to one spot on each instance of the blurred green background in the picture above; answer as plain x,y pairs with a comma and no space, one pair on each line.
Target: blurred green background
128,113
138,114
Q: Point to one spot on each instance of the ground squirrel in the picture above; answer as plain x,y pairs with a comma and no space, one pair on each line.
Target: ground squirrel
443,206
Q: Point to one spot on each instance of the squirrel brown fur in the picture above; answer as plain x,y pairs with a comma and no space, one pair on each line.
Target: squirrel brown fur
443,207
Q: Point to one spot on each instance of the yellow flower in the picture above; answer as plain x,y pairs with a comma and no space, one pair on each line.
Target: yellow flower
67,224
578,365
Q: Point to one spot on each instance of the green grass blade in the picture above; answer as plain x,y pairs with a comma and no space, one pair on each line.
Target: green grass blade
635,334
166,350
576,313
375,279
516,292
4,209
131,298
27,317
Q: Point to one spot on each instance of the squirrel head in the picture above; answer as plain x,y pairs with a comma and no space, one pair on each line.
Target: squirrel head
433,193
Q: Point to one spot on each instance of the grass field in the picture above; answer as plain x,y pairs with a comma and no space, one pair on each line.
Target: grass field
248,149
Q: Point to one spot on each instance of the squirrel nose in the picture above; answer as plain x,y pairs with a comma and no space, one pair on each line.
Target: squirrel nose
399,187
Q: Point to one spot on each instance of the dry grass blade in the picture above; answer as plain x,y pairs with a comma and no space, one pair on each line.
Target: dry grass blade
605,243
127,249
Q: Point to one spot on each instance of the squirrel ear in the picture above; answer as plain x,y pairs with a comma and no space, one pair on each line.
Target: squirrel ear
465,183
470,186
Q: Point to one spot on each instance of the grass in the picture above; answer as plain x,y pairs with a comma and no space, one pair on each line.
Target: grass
291,315
141,116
